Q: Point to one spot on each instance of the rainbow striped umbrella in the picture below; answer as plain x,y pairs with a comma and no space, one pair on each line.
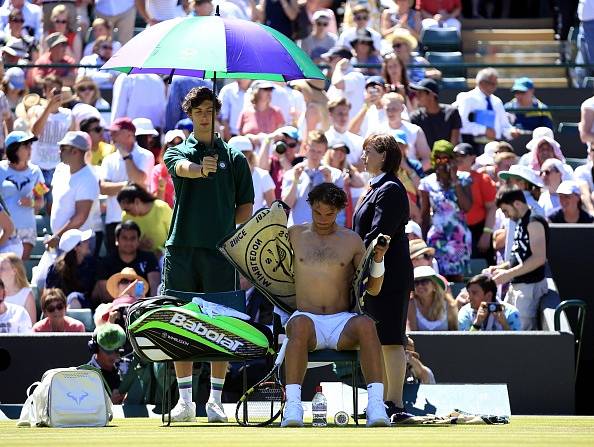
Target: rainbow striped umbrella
214,47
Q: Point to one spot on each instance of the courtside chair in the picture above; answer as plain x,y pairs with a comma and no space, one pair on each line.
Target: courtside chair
568,129
85,316
456,70
440,39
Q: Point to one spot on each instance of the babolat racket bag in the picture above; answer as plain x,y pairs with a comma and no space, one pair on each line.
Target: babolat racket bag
166,328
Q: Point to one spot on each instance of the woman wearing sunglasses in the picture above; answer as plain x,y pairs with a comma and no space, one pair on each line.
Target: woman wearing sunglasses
59,22
87,92
102,51
53,305
447,193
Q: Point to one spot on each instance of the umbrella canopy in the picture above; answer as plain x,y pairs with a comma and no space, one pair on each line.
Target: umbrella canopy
203,46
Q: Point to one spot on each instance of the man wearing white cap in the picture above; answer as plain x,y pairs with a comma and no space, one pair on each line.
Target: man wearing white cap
571,210
76,188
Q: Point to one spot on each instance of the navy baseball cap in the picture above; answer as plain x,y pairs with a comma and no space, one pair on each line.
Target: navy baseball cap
18,136
522,85
428,85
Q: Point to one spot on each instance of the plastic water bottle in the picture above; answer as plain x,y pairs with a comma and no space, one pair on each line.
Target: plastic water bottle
319,408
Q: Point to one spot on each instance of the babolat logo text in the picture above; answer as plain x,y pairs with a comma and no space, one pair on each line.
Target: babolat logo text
201,330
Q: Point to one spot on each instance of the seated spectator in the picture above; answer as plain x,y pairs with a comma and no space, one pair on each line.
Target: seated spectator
161,184
53,306
61,23
552,173
263,184
101,28
298,182
483,311
502,161
127,254
152,215
416,371
410,173
14,319
75,189
345,81
99,147
105,346
278,154
55,54
523,90
402,15
361,23
9,242
338,131
430,307
438,121
370,5
403,44
16,286
365,53
74,269
16,31
14,88
319,39
31,14
481,216
421,254
525,269
571,209
447,193
22,187
102,52
394,72
354,182
441,14
261,118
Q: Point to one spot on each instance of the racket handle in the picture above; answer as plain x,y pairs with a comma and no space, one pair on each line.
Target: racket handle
382,241
281,352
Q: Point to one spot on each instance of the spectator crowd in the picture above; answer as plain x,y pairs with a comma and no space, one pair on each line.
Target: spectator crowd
84,147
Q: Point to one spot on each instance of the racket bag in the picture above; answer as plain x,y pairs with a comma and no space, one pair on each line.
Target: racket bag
166,328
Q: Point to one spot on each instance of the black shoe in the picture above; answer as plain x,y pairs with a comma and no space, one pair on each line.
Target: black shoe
391,408
400,416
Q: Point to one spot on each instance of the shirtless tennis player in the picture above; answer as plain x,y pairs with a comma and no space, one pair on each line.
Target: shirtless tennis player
325,258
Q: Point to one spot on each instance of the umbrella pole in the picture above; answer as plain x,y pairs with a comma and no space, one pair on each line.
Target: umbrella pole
214,101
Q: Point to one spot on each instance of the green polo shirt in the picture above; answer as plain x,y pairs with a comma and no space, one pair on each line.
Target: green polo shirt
204,208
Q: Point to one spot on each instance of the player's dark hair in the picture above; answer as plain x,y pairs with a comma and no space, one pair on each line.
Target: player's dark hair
197,96
329,194
484,282
508,195
128,225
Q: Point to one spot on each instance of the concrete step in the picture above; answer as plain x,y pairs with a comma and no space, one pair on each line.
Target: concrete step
470,38
513,58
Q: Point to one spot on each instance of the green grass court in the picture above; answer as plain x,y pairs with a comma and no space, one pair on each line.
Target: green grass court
522,431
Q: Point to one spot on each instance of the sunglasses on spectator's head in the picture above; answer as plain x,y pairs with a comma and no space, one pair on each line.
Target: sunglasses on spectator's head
361,16
60,21
85,88
322,23
50,308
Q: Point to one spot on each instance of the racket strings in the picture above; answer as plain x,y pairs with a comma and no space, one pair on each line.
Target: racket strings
263,405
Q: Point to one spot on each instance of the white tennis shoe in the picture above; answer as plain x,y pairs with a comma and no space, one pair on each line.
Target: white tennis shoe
215,412
376,414
293,414
183,412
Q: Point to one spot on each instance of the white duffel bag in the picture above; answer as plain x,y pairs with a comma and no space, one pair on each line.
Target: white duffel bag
67,397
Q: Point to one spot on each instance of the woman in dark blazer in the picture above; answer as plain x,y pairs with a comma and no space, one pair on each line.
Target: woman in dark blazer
384,209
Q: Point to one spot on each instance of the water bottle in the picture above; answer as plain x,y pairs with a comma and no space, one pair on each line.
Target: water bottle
319,408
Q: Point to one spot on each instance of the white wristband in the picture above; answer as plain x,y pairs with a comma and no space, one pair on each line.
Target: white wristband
377,269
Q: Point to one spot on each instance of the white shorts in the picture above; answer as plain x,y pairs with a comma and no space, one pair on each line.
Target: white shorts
328,327
27,235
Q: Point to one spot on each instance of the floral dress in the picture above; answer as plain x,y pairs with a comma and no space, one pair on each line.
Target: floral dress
449,235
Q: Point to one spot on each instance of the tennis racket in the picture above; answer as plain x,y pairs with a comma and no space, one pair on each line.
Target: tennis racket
263,403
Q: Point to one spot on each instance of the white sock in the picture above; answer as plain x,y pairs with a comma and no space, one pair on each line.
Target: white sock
375,391
216,389
184,385
293,392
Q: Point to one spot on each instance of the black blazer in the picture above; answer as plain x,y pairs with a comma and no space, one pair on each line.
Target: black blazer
384,209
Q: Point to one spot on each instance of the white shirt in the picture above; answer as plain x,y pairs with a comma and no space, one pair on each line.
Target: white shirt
476,100
354,91
31,15
19,298
589,104
352,140
69,189
103,78
139,96
585,10
163,9
263,183
584,174
282,99
46,152
232,103
113,169
89,48
15,320
112,8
